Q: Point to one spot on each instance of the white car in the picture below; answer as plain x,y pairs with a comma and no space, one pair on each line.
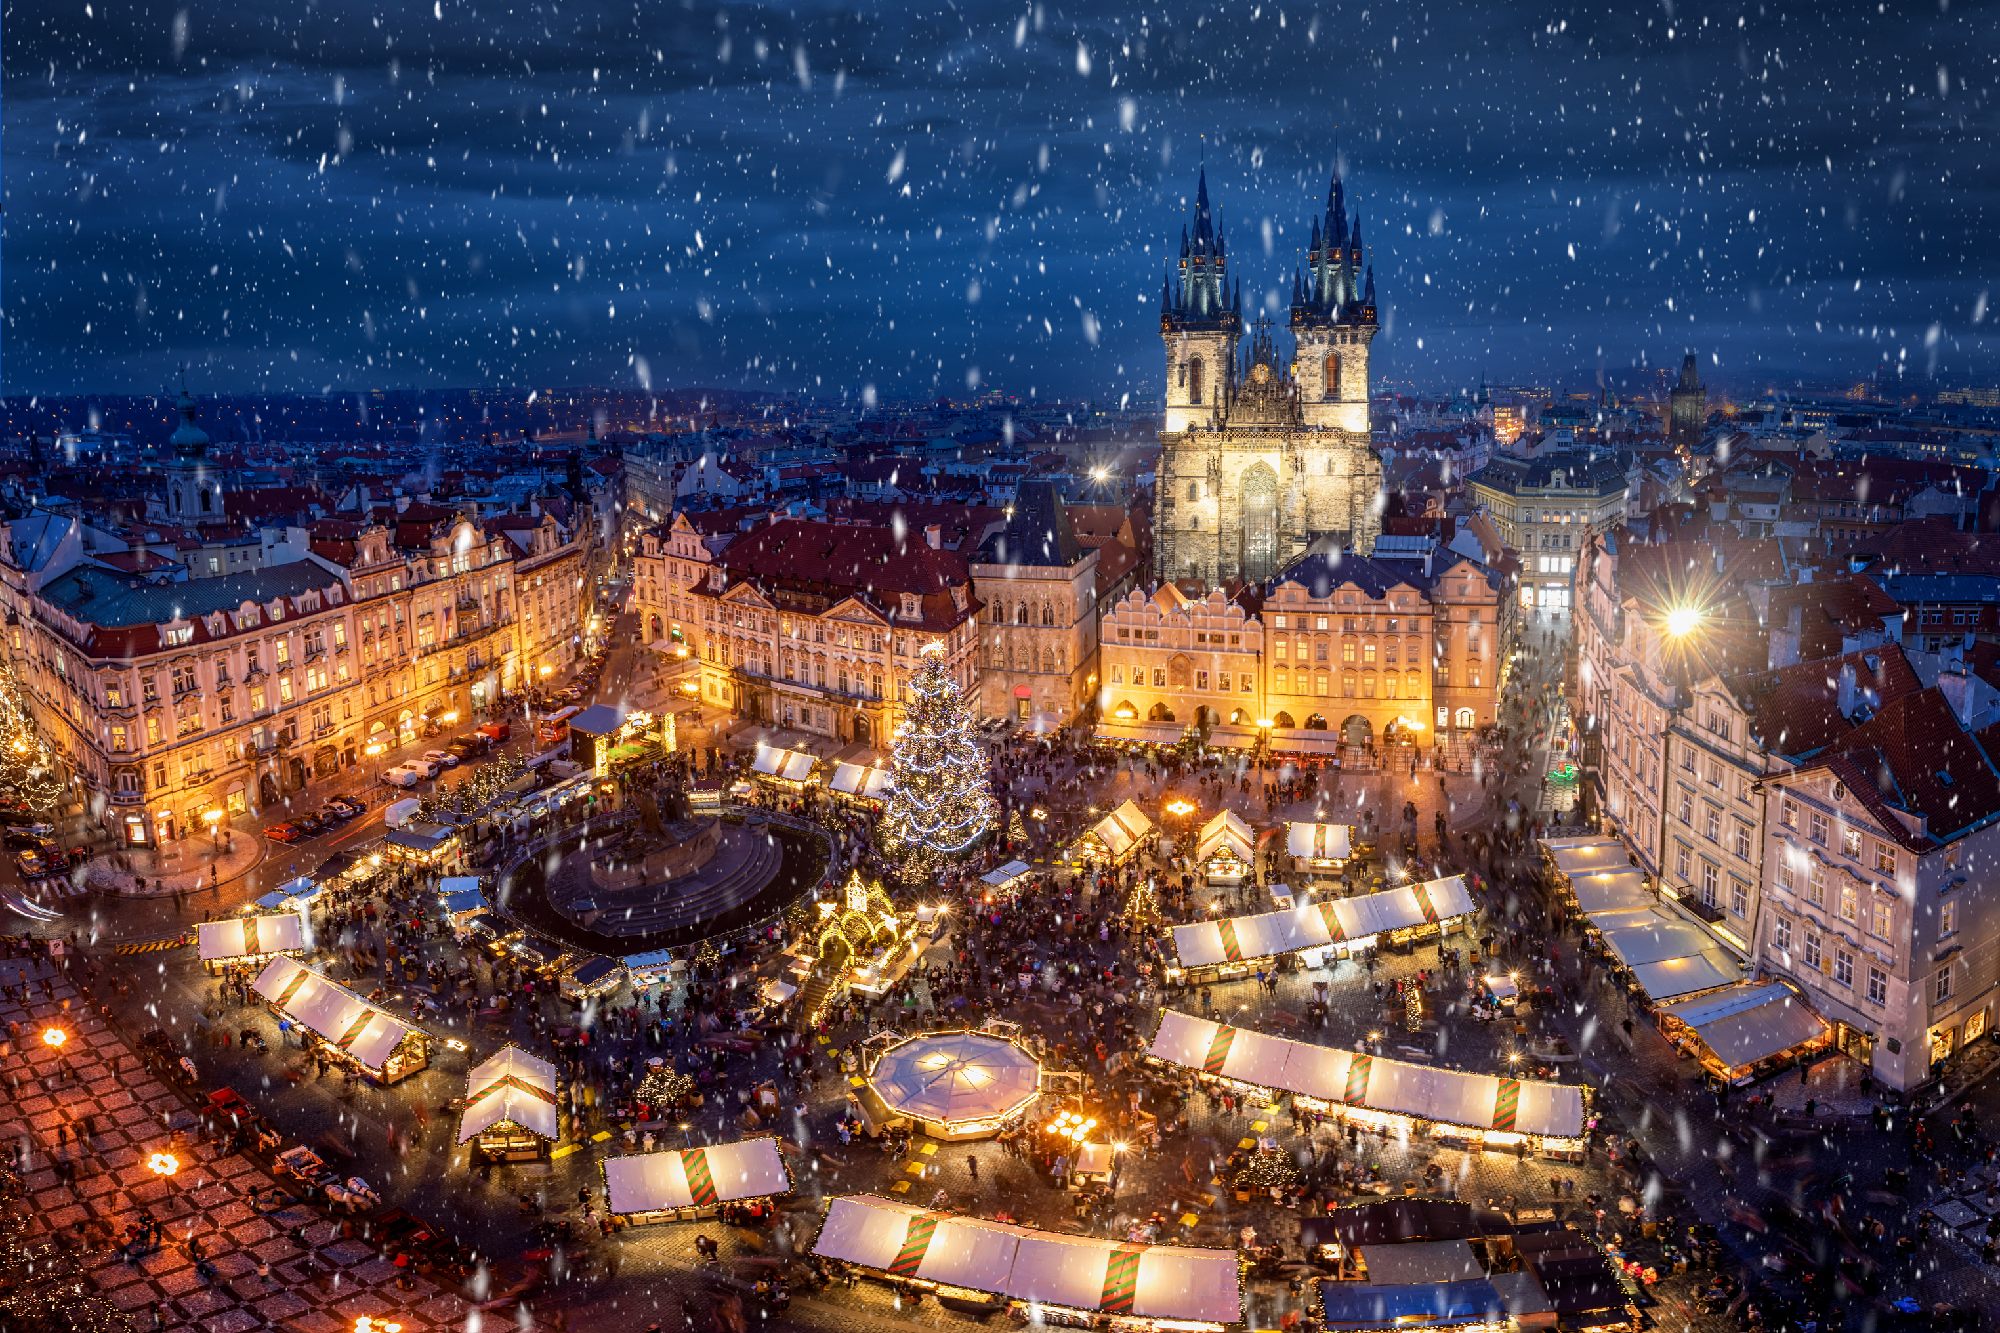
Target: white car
405,775
442,758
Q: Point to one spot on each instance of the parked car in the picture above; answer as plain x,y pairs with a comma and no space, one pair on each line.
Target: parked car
332,813
286,833
405,775
31,865
22,838
465,747
352,805
442,758
310,825
56,859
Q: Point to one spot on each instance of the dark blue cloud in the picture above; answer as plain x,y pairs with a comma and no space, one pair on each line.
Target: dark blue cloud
826,198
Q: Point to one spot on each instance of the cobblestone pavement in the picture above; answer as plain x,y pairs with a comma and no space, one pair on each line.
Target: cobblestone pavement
91,1118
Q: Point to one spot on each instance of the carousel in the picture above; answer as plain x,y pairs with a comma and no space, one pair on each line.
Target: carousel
957,1086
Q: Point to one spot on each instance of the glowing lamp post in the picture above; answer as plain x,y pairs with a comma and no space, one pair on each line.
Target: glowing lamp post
54,1038
163,1164
375,1324
1684,620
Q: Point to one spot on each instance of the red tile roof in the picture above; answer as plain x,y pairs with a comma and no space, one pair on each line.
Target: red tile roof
814,565
1914,757
1795,710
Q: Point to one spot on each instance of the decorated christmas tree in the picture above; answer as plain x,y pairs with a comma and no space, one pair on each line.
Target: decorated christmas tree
27,770
939,804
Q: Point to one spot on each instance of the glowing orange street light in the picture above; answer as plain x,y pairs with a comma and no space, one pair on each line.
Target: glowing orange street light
163,1164
54,1038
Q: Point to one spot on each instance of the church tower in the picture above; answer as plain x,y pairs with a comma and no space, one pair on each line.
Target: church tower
193,496
1261,460
1687,405
1200,319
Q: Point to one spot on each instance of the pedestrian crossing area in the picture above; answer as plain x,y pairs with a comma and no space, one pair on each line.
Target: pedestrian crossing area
153,946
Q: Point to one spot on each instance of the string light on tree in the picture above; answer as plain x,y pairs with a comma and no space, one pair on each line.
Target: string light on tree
27,771
939,804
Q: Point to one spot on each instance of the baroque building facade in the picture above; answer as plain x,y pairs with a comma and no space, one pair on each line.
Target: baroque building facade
1260,459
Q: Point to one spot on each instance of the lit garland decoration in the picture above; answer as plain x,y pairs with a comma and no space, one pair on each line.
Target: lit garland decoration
27,770
474,795
664,1087
939,803
1142,909
1267,1169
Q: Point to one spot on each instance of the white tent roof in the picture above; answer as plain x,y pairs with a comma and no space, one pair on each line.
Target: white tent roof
1226,832
1749,1021
1121,830
291,891
953,1077
1005,876
1144,733
1669,955
1075,1272
250,936
336,1013
1480,1101
1617,890
791,765
649,1182
1321,842
1315,925
513,1088
861,780
1580,856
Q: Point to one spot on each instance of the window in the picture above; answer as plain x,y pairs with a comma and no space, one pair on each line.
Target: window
1222,680
1816,884
1941,986
1709,884
281,651
1883,919
120,742
1843,967
1712,828
1781,933
1743,842
1681,864
1850,843
284,689
1347,651
1947,919
1739,899
1818,826
1788,813
1687,809
1878,986
1283,683
1811,951
1885,859
153,730
114,697
1117,675
1850,906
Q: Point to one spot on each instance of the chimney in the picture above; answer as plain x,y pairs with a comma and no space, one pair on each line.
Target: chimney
934,536
1846,696
1956,687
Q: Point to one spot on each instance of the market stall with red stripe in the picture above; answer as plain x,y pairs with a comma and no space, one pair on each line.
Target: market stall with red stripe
1134,1286
1495,1110
350,1030
694,1182
243,940
511,1113
1233,945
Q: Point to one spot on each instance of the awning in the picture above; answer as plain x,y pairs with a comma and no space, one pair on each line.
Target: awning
956,1077
1667,954
861,780
1611,890
1225,834
1007,876
511,1088
1120,831
424,838
250,936
1022,1263
1320,842
461,893
1582,856
790,765
1141,733
591,971
1232,738
1354,1307
774,991
337,1014
291,892
1749,1021
1300,741
1477,1101
1314,925
719,1173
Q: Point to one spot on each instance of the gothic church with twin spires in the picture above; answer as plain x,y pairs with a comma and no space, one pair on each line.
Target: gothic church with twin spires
1261,460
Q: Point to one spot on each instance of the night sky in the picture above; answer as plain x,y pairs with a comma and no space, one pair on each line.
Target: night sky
847,199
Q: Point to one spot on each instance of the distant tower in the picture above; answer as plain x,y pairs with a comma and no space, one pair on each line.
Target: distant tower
192,495
1200,321
1687,405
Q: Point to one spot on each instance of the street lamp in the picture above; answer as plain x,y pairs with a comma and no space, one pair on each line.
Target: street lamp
53,1038
163,1164
373,1324
1684,620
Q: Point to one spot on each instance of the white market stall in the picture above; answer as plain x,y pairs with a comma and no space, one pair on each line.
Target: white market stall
1744,1031
860,781
511,1113
1130,731
1319,849
957,1085
294,895
1007,878
381,1045
1621,890
1668,955
462,898
1496,1110
1115,837
776,764
1587,855
1153,1286
1226,850
1237,944
249,939
691,1183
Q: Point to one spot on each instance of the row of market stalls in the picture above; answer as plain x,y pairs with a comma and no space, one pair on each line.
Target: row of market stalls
670,1186
351,1030
795,770
1492,1110
1207,950
1737,1026
1127,1285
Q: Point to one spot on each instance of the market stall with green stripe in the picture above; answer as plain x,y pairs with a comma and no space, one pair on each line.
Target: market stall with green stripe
1137,1286
511,1111
693,1182
1496,1110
